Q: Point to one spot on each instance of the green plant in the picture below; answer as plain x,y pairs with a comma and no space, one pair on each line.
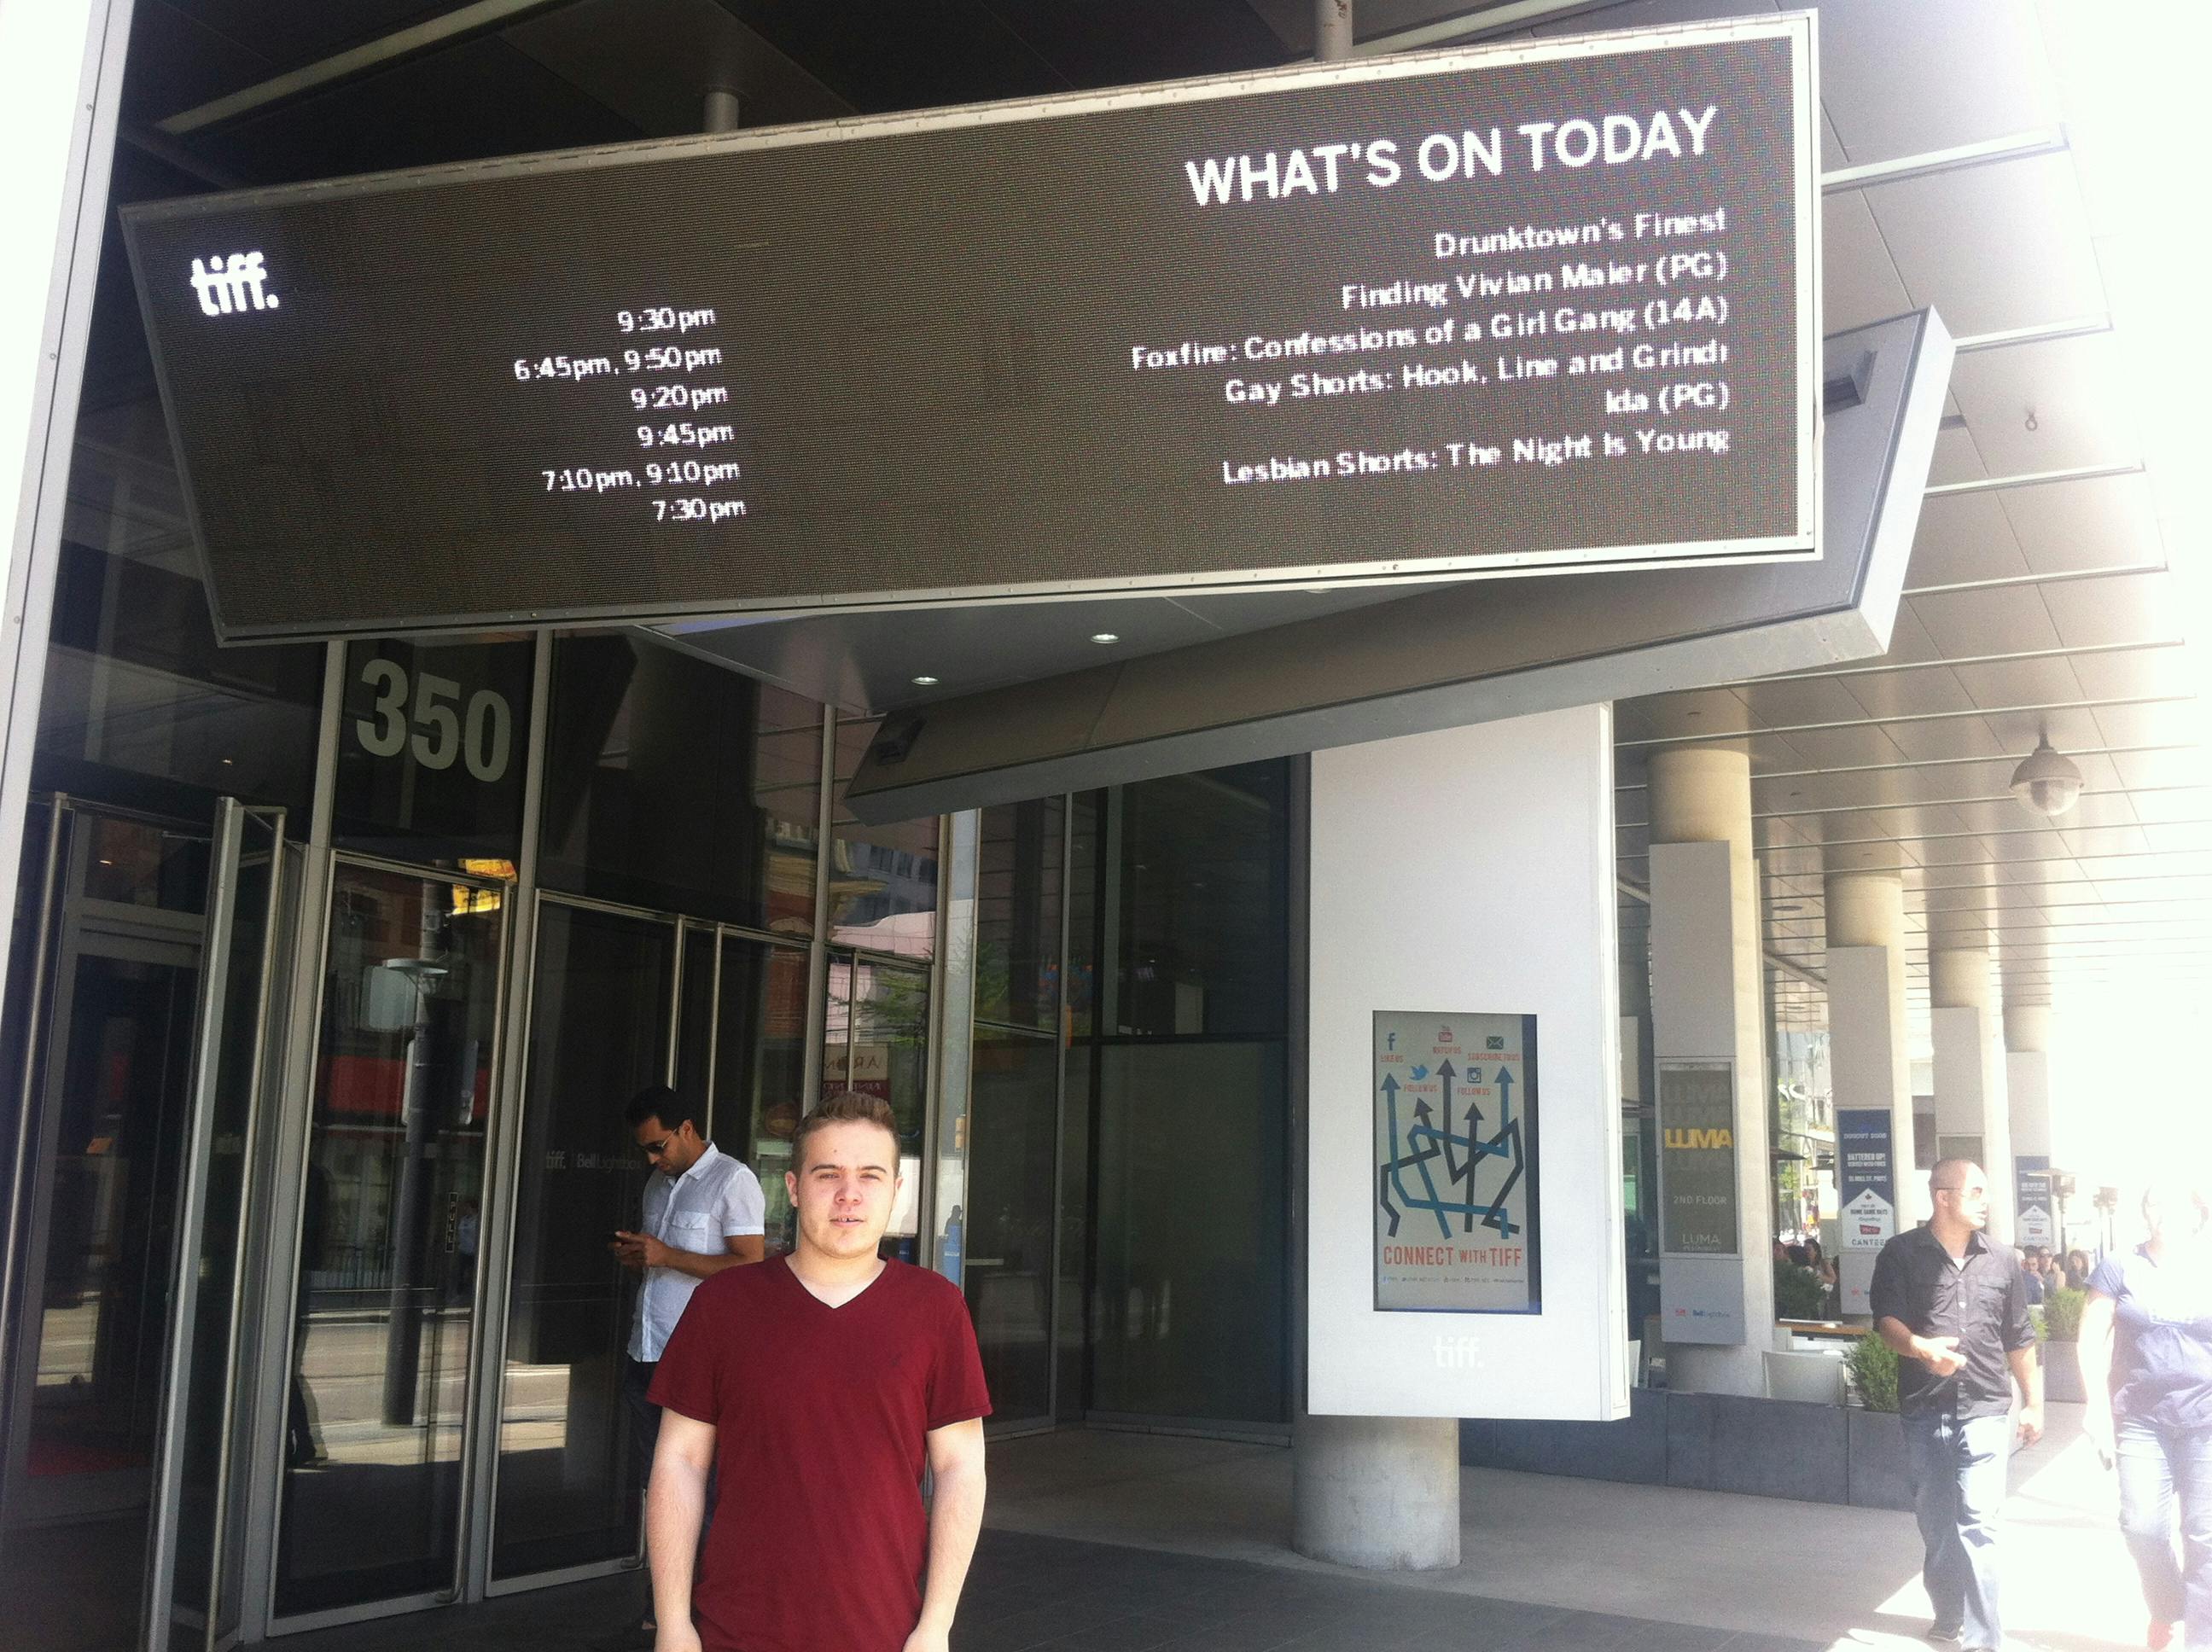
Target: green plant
1798,1292
1873,1366
2062,1313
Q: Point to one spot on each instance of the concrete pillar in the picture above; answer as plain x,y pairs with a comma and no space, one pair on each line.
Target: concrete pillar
1869,1053
1707,1007
2027,1101
1381,1492
1971,1117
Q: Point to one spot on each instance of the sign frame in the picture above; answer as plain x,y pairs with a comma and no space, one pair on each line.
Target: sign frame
2033,1192
1517,1141
1663,1103
1866,1131
1797,29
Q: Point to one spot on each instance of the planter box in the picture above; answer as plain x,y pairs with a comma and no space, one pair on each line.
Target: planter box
1715,1442
2061,1374
1881,1475
1634,1450
1762,1447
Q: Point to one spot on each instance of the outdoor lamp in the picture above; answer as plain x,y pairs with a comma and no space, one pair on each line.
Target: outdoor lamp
2045,781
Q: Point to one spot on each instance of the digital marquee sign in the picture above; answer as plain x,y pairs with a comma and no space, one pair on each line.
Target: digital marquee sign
1468,312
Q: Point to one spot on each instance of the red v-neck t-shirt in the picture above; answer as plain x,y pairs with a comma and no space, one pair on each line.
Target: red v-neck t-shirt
819,1535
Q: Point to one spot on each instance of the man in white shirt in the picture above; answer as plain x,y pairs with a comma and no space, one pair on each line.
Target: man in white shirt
703,1213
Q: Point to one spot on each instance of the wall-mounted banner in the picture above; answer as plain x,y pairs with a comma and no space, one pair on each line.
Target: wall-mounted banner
1456,1225
1697,1159
1866,1167
2037,1223
1548,303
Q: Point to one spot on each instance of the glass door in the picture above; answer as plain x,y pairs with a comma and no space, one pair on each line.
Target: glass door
385,1306
569,1481
106,1088
193,1598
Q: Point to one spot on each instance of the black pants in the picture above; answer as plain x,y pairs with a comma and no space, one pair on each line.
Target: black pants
644,1415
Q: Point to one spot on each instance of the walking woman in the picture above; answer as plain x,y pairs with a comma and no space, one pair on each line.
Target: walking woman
2146,1352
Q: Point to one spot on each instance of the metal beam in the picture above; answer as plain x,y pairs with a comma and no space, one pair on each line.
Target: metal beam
2036,478
2016,146
427,35
1715,737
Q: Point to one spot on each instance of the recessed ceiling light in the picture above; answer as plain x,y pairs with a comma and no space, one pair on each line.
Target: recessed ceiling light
924,681
1101,638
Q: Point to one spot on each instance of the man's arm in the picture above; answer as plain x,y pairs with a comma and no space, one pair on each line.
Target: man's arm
674,1505
956,1516
2019,1353
2029,1376
737,1249
2094,1351
1939,1354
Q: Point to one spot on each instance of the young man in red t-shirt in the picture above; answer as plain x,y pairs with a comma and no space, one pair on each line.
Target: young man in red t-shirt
818,1384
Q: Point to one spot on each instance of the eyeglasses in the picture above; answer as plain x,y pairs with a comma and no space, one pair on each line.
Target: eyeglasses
655,1149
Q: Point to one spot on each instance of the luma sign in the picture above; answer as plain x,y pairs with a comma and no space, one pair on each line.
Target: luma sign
1547,306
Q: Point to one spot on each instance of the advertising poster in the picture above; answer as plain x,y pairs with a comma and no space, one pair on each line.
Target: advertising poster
1697,1159
1456,1224
2037,1223
1866,1177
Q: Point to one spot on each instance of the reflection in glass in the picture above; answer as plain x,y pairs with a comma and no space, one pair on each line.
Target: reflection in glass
760,1065
387,1242
569,1482
141,707
1017,913
882,879
877,1043
124,1016
680,786
1006,1230
1181,898
1188,1310
1195,914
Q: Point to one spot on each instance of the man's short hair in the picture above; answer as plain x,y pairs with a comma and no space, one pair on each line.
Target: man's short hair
659,1101
845,1107
1948,1175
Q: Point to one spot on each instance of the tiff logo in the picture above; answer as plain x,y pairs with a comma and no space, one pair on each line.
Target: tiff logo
1458,1354
225,284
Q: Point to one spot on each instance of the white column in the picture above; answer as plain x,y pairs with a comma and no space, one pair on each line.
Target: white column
1971,1119
1464,879
2027,1096
1381,1492
61,74
1867,1051
1717,1312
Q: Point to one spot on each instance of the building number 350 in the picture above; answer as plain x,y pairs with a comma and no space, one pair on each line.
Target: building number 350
481,737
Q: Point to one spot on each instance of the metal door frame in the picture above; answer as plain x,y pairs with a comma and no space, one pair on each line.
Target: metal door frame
225,863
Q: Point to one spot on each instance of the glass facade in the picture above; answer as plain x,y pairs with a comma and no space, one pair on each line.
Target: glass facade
1125,1243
